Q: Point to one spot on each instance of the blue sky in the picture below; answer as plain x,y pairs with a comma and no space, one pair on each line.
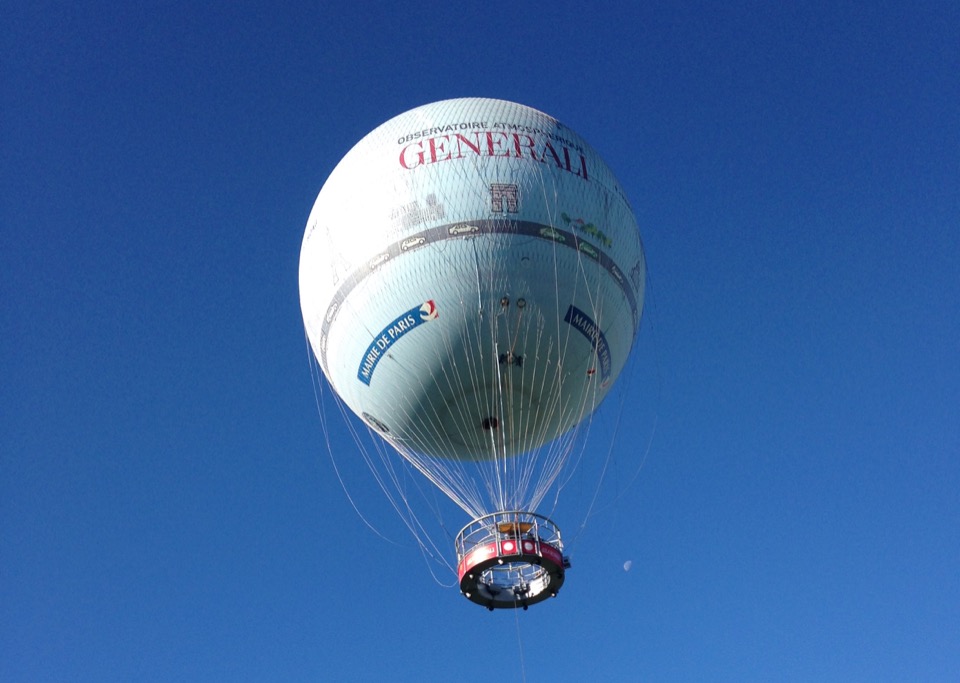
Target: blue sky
167,507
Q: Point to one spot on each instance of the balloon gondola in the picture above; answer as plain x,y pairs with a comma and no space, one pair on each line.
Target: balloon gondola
472,283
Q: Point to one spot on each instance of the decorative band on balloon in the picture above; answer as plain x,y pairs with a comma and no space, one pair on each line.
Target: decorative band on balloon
464,229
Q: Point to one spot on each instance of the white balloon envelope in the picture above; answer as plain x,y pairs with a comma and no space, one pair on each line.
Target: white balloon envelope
471,281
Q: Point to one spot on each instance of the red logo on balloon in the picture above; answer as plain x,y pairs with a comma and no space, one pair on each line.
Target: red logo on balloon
429,311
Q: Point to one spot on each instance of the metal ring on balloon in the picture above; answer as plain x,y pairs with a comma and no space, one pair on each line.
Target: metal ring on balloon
510,559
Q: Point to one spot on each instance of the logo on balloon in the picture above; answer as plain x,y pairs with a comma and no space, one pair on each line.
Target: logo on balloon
374,422
586,228
428,311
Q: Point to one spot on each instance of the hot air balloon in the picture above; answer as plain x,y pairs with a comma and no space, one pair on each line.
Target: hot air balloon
471,283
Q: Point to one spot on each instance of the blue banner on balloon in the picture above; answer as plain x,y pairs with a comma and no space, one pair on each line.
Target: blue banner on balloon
413,318
589,329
